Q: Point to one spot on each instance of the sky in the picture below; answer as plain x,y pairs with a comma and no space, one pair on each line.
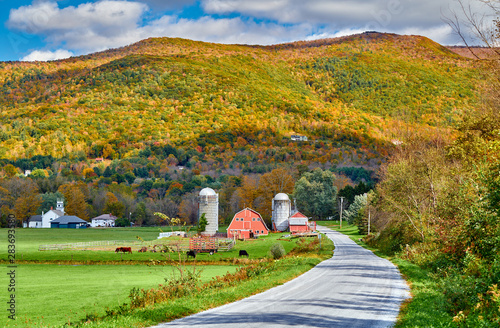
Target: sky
50,29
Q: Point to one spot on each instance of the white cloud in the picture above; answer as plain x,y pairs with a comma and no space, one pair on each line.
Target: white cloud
88,27
39,55
340,14
96,26
225,30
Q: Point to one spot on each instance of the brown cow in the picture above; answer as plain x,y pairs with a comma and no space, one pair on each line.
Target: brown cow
123,250
143,250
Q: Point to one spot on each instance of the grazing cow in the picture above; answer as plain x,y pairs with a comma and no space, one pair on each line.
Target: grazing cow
143,250
123,250
243,253
191,253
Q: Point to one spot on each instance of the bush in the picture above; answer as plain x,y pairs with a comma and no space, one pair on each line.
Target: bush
277,251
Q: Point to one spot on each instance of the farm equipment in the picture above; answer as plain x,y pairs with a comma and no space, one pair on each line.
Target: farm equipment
204,244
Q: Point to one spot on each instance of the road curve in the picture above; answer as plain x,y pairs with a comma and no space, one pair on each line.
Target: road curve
355,288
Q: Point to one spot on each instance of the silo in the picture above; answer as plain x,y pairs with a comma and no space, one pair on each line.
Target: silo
209,204
281,212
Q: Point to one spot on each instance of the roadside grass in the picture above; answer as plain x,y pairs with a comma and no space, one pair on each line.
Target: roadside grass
56,287
426,307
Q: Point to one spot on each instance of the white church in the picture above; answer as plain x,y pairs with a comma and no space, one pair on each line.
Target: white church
43,221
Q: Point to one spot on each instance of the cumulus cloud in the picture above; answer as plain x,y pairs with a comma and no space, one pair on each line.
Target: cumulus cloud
340,14
105,24
90,26
39,55
225,30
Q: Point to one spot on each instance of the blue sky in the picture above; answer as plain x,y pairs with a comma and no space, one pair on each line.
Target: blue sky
45,30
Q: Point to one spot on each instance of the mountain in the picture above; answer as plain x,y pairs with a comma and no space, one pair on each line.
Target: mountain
349,96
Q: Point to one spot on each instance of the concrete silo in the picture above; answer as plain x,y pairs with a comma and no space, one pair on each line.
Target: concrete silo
281,212
209,204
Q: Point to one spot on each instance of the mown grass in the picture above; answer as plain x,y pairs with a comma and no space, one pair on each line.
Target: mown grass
50,295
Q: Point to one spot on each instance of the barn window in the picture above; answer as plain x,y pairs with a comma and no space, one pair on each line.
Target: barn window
253,219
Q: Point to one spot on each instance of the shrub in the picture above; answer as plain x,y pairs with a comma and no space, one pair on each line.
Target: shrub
277,251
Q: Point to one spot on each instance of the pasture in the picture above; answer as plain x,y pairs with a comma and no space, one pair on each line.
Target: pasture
61,286
49,295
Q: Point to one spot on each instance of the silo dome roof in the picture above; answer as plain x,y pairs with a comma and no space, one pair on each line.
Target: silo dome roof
281,196
207,192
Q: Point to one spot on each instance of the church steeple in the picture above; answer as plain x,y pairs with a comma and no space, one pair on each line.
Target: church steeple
60,205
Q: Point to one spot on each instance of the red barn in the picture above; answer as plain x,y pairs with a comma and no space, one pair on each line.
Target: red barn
300,223
247,224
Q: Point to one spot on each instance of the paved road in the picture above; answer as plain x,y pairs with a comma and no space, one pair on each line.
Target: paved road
354,288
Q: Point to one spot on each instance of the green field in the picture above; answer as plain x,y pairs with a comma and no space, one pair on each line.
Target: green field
28,241
54,294
56,287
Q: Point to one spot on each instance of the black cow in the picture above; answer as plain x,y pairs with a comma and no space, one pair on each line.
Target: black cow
191,253
243,253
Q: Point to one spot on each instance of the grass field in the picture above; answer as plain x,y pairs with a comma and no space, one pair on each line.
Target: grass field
57,287
28,241
49,295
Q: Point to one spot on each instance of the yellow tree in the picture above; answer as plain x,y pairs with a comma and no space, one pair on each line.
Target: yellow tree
28,202
75,200
277,181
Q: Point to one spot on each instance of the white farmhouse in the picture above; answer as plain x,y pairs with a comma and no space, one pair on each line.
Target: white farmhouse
104,220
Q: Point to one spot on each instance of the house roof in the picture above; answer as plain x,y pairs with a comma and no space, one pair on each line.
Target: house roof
66,219
59,213
105,217
35,218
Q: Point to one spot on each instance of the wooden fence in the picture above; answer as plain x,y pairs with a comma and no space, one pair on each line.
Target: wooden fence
180,245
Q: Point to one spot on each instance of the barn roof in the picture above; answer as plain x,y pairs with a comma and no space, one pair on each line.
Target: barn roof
298,215
249,209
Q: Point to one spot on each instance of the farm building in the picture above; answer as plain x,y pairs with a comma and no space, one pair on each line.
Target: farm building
247,224
208,204
300,223
68,221
104,220
281,212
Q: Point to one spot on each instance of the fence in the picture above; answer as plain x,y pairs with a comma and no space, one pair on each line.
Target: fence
180,245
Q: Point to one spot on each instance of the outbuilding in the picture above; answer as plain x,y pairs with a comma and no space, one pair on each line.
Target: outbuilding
300,223
69,221
247,224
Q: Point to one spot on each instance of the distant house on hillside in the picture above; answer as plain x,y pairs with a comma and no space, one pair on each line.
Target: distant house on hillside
104,220
247,224
298,138
69,221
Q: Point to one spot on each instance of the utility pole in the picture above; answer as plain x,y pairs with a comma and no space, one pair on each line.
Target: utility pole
341,203
369,219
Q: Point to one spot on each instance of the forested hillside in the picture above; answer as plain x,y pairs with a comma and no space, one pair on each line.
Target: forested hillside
349,96
142,129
